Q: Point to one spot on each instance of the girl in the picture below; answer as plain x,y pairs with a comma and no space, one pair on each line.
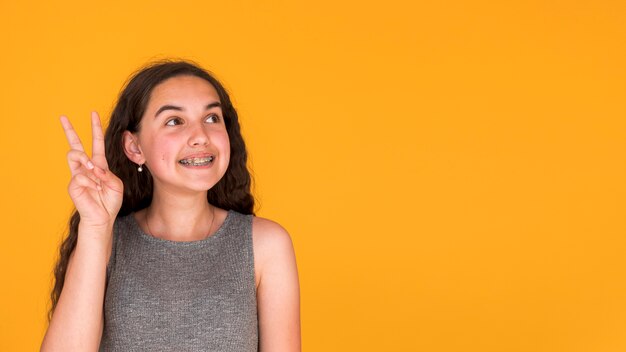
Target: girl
164,252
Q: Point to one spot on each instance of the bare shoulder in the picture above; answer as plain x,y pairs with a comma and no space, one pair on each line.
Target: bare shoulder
278,288
271,244
266,232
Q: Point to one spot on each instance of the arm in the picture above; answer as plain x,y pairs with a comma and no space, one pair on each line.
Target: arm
77,321
278,291
78,317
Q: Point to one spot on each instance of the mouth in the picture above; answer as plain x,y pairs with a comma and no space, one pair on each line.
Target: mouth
197,161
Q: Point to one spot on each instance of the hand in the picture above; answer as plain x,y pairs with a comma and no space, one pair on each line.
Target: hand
96,192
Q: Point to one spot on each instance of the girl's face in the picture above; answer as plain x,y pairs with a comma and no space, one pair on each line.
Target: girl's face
182,137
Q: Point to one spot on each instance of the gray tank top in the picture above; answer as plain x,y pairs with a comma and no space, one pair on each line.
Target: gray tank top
181,296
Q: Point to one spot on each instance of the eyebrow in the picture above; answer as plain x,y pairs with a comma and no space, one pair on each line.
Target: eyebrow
178,108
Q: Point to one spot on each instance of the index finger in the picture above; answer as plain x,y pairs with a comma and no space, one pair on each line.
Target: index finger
98,141
70,134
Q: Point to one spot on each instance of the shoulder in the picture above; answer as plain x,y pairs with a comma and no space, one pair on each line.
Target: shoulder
278,288
268,233
124,225
272,245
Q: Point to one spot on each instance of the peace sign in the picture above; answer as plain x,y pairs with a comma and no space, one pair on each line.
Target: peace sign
96,192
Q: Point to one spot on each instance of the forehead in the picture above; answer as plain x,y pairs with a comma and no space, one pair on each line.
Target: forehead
183,89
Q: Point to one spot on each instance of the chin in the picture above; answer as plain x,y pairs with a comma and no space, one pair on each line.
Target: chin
201,187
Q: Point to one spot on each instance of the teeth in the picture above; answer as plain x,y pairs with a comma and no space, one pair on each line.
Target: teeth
197,161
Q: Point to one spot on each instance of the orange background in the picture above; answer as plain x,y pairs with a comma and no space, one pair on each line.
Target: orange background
452,173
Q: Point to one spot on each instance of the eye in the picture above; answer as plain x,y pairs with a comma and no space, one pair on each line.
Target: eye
213,118
174,121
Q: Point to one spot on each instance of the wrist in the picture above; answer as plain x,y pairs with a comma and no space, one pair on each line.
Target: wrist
95,231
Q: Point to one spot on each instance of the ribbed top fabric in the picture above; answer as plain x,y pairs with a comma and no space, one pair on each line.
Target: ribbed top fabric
181,296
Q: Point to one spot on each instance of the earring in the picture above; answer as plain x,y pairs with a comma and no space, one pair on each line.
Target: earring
140,168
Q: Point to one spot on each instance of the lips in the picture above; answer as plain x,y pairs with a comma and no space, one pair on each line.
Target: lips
197,161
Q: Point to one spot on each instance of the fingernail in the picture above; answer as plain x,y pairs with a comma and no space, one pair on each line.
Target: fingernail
89,165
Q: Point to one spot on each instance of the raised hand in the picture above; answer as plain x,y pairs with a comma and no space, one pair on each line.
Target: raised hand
96,192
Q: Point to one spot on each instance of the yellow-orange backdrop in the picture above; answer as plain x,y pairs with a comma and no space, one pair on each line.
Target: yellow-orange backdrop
452,173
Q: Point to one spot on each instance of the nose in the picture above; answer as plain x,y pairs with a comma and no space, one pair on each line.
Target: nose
198,136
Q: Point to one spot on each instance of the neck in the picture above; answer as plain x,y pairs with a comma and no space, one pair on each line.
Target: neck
180,218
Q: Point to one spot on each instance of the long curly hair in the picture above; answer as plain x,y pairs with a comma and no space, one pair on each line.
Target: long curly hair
232,192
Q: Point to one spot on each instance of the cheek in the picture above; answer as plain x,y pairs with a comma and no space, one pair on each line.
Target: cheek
224,142
221,142
161,151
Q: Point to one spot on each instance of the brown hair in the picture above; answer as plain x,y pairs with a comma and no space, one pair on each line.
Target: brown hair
232,192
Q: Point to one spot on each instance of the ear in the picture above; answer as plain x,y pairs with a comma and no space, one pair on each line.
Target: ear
132,148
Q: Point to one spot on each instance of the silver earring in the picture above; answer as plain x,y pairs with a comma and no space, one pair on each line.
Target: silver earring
140,168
